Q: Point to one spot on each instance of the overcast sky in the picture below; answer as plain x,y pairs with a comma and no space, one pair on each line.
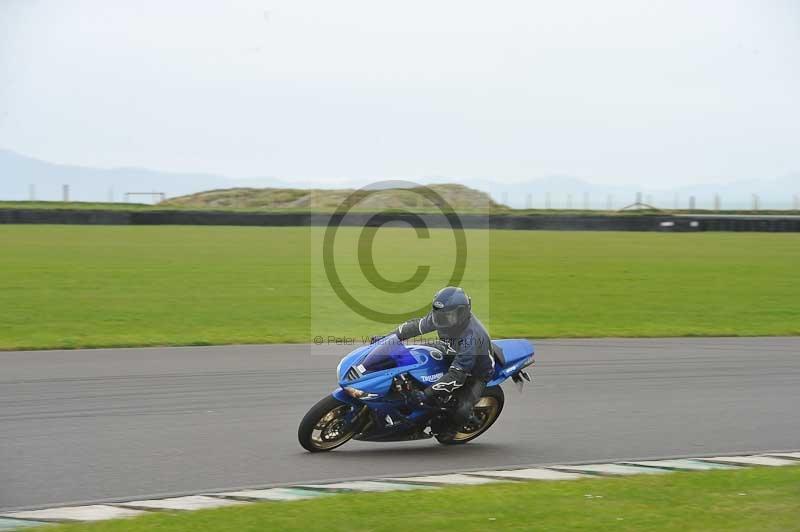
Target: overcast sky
625,91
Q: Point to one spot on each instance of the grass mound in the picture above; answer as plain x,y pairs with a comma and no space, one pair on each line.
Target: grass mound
459,197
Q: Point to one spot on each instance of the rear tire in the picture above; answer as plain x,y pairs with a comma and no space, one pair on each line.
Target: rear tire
322,428
487,409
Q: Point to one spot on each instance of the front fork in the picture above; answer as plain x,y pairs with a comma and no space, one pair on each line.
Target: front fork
358,410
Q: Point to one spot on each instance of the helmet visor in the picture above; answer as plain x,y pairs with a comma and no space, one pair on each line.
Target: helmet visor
443,318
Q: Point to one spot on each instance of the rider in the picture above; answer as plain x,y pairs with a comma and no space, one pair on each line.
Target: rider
464,338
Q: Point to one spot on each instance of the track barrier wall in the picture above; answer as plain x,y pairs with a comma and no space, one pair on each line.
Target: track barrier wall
663,223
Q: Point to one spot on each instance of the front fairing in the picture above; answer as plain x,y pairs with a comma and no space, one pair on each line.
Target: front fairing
350,360
422,363
432,366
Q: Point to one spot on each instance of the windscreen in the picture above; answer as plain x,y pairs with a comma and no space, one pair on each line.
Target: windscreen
390,353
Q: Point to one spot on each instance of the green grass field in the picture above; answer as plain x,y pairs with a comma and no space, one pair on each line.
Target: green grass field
764,499
93,286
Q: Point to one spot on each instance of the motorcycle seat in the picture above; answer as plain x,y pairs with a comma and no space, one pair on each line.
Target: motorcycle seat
497,353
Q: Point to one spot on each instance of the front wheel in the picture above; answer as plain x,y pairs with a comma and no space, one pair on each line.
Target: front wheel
485,413
325,426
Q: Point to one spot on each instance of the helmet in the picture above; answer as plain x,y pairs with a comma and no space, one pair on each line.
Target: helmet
451,309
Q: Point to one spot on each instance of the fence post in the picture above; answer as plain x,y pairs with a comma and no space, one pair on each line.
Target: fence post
755,202
692,204
796,202
569,201
717,203
32,192
586,201
547,201
609,202
529,201
65,192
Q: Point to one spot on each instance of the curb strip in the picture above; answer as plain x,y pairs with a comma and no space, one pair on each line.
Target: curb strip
200,501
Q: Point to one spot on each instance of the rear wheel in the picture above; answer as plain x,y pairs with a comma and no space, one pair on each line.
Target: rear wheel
485,413
325,426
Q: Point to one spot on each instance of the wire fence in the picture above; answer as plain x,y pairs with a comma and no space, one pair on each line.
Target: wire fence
715,202
546,200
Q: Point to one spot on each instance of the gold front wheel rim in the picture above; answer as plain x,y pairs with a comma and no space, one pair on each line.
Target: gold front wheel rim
329,431
486,410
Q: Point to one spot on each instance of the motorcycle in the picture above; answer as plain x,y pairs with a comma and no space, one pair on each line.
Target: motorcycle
374,398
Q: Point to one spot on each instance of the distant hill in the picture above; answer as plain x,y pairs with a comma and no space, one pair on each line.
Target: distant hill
459,197
19,172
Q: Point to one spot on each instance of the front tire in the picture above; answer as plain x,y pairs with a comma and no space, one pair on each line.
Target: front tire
324,427
487,410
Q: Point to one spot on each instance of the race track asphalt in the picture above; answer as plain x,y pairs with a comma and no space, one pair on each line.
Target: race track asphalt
79,426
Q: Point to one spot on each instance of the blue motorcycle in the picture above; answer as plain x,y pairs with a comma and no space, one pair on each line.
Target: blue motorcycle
373,401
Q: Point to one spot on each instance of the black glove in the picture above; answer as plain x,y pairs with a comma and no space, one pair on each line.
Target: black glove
450,381
375,339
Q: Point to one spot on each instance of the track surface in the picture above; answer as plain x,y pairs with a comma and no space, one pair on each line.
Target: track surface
104,424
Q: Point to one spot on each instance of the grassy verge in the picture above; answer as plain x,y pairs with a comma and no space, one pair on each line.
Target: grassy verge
103,286
761,499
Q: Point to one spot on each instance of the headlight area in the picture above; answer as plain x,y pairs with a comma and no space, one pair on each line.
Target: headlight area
358,394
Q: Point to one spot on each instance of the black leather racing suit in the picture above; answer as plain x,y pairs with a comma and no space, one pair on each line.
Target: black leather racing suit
469,347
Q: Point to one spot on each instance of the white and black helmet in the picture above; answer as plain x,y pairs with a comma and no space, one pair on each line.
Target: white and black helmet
451,309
